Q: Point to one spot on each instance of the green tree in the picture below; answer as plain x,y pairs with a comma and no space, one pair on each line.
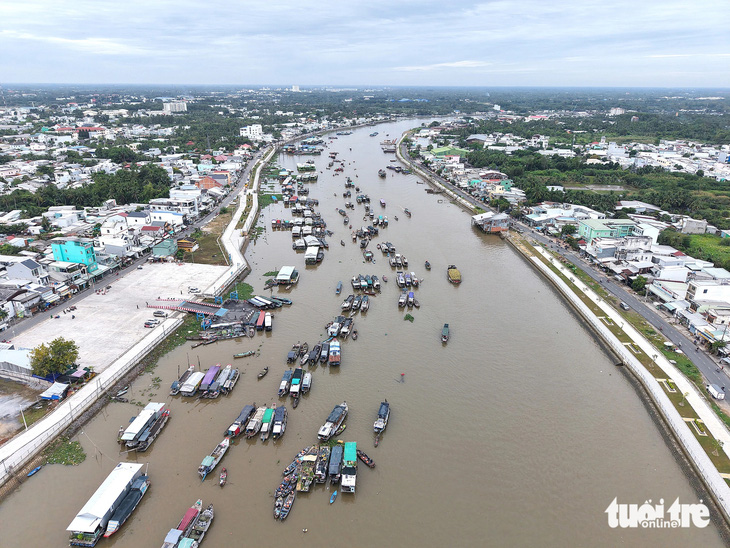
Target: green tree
54,357
639,284
568,229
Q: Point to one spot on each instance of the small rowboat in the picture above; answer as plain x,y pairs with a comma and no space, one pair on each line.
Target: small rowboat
224,477
263,372
333,497
244,354
34,471
367,460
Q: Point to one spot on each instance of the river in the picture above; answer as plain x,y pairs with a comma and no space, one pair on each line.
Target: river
520,431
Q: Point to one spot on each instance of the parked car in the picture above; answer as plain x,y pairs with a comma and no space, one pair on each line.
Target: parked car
193,290
152,323
159,314
624,306
139,267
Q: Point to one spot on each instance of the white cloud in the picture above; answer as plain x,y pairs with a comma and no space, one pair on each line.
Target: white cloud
436,66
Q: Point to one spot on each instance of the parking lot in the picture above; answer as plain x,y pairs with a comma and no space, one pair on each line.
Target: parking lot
107,325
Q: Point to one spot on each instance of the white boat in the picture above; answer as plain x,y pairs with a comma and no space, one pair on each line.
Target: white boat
192,384
254,424
90,523
267,321
145,419
306,382
383,416
334,358
333,422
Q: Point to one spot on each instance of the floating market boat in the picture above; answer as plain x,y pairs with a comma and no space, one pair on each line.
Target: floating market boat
144,429
239,424
383,415
333,422
266,422
212,460
178,384
201,527
445,333
338,289
428,265
288,503
367,460
128,504
263,372
186,524
334,359
279,427
285,383
91,522
223,477
453,274
245,354
254,424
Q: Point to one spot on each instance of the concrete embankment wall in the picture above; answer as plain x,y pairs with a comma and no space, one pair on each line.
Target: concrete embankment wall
698,459
16,453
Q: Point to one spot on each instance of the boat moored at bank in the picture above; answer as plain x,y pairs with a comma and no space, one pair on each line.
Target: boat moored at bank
334,421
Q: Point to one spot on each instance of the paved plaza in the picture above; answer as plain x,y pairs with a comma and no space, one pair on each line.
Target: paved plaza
107,325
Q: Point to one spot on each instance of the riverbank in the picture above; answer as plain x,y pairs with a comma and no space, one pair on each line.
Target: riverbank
693,424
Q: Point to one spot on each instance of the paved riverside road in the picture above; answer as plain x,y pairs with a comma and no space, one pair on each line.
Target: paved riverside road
701,359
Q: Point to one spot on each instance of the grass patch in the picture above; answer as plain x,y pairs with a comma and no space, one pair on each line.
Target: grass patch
245,291
66,452
707,246
271,273
265,199
209,251
33,415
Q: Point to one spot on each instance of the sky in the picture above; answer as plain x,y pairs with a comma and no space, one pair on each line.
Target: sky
643,43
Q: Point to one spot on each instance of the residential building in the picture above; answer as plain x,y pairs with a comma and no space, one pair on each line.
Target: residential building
75,250
28,270
254,132
606,228
175,106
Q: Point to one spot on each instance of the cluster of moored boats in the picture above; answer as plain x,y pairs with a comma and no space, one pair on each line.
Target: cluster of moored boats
336,461
209,384
192,528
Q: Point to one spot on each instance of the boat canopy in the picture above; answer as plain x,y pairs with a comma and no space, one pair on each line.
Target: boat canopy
279,414
208,461
336,414
246,413
350,451
142,420
384,408
173,537
210,377
268,414
193,381
107,496
187,543
336,459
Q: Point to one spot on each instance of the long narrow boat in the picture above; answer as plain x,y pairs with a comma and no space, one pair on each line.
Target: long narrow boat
212,460
279,427
267,422
288,503
335,357
128,504
453,274
178,384
90,523
285,383
367,460
445,333
254,424
201,527
333,422
239,424
186,523
231,382
245,354
338,289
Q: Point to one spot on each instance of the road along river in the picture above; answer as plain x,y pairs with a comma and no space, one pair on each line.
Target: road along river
519,431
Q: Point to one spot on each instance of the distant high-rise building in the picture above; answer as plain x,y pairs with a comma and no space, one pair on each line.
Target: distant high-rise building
295,89
616,111
175,106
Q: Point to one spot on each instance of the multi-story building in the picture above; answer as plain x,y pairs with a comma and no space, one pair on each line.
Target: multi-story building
605,228
254,132
175,106
75,250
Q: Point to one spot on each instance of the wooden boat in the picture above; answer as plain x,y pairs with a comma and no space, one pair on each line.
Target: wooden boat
303,349
263,372
201,526
445,333
287,506
333,497
212,460
178,384
453,274
244,354
407,212
278,505
367,460
354,335
223,477
428,265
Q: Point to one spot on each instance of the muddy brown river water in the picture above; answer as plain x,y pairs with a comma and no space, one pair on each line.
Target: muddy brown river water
520,431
